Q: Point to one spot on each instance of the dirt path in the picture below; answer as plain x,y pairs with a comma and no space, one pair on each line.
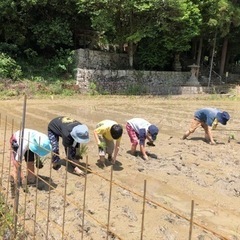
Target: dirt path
178,171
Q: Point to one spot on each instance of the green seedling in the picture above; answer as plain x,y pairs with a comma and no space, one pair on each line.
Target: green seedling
231,137
102,145
82,150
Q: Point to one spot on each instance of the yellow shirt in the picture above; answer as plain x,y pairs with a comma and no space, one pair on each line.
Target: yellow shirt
103,128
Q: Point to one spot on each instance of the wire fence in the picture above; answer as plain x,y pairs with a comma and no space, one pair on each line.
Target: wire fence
28,216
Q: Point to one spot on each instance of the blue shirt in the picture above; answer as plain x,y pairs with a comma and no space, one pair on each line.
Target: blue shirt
207,115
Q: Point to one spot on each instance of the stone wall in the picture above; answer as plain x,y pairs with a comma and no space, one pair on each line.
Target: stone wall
97,71
91,59
131,81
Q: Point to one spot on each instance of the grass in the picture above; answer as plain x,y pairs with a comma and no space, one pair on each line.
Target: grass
6,220
7,223
10,89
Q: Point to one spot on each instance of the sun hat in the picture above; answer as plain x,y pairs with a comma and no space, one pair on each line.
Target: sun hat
39,143
223,117
80,133
153,130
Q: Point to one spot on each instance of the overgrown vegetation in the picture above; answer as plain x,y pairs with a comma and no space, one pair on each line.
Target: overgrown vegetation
9,68
38,37
6,220
14,89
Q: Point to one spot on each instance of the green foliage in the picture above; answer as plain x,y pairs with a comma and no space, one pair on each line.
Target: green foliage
8,48
151,55
39,31
7,223
38,88
93,88
82,151
136,89
102,145
9,68
59,87
52,32
6,218
61,65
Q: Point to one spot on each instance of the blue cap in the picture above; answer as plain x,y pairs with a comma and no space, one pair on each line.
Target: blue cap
153,130
39,143
223,117
80,133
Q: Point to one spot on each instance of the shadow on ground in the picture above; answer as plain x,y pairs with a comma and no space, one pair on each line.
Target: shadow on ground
45,183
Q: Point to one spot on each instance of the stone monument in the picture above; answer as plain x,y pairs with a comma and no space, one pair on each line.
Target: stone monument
193,80
177,65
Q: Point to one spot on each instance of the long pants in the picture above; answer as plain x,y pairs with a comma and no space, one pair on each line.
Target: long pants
69,151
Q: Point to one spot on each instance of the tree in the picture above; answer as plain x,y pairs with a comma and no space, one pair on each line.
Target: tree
219,18
175,22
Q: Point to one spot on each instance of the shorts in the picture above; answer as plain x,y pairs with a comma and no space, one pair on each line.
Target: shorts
109,145
197,123
132,135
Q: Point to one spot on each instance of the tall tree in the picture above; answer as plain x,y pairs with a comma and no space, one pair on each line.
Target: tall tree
131,21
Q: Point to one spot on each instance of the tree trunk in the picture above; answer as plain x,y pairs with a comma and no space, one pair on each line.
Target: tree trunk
199,54
130,54
223,57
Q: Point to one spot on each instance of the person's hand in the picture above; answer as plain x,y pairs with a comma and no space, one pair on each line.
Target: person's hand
212,143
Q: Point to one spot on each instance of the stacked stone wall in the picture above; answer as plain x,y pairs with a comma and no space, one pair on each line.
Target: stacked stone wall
101,71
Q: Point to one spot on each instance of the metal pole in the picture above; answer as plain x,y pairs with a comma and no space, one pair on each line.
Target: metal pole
16,203
191,220
49,196
9,165
65,193
3,151
84,196
36,196
143,211
109,202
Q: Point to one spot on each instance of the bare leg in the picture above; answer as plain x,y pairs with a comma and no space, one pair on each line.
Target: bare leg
133,149
31,178
194,125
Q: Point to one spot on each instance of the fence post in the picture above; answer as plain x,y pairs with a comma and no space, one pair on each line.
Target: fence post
3,151
16,203
143,211
84,196
191,220
109,202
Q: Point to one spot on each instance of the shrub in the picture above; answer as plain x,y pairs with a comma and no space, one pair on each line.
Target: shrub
9,68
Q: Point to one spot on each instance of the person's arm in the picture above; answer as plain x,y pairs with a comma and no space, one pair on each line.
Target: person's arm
143,151
210,135
96,137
